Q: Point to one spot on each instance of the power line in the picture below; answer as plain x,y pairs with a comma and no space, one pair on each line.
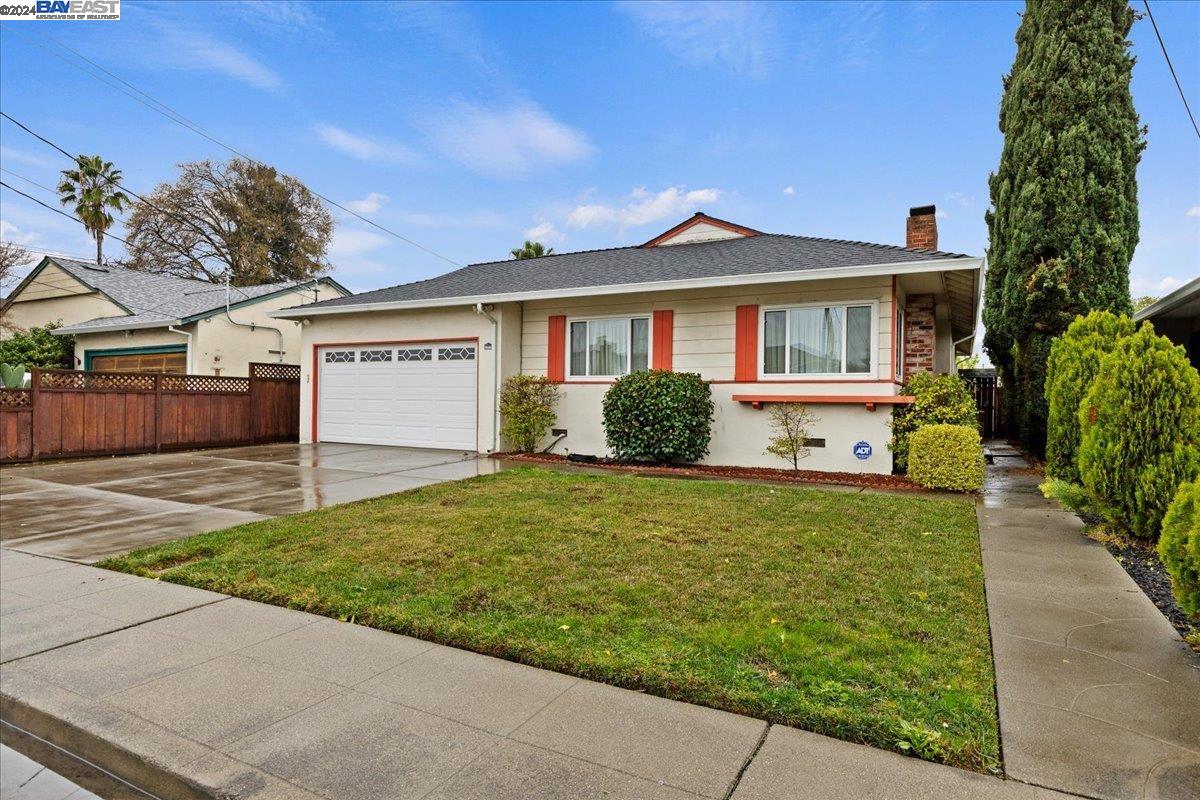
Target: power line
153,309
165,110
108,180
1171,67
57,210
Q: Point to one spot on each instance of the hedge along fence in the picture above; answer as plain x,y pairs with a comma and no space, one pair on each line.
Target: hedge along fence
1140,431
66,414
1074,361
1179,547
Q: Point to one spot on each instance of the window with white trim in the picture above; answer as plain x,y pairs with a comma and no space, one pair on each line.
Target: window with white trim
608,347
819,340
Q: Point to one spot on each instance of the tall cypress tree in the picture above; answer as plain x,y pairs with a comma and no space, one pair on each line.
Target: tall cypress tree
1064,219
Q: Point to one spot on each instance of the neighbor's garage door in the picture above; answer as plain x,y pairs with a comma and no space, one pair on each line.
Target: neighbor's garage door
415,395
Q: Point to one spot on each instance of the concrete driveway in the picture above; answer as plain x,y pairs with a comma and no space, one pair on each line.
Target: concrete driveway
88,510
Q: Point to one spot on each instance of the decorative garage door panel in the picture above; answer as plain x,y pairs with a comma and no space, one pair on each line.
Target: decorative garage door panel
420,395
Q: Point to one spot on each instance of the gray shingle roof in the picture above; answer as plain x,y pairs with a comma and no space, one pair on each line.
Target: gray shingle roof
764,253
154,298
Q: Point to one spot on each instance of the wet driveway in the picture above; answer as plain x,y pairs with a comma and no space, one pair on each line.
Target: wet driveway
88,510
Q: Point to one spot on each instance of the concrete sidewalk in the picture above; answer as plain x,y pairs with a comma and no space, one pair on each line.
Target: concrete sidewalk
187,693
1098,694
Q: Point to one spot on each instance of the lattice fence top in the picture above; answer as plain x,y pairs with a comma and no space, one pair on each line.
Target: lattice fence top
16,398
204,383
287,372
66,379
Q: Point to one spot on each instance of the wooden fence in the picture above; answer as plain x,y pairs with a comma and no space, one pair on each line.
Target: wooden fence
67,414
986,389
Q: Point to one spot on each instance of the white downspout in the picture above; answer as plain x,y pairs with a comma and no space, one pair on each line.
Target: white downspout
252,326
173,329
479,309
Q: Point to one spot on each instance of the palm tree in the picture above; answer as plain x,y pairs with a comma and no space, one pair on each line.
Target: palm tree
532,250
93,187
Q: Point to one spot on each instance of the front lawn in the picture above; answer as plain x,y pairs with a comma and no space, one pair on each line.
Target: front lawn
860,616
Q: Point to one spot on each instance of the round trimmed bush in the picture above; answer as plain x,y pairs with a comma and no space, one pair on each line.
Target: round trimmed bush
658,416
937,400
1140,431
1179,547
946,457
1074,361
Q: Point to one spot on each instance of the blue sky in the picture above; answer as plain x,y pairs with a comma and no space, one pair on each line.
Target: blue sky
469,127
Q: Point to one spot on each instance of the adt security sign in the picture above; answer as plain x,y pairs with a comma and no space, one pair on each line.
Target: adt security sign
862,451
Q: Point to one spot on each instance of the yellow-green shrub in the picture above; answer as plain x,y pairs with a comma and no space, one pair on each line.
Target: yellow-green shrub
946,457
1140,431
1074,361
1179,546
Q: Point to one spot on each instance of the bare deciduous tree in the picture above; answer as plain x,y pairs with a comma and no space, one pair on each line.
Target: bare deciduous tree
240,218
12,255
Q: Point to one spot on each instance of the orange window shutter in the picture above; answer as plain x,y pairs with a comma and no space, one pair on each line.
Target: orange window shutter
745,358
556,353
664,339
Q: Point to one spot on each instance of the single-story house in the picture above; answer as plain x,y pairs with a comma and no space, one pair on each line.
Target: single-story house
124,320
1177,317
763,317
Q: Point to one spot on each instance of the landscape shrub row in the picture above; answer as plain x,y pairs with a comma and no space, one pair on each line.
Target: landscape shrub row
1123,437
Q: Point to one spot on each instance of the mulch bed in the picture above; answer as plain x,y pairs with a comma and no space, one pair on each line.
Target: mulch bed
1147,570
739,473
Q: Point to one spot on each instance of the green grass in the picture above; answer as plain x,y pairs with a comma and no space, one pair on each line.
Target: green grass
860,616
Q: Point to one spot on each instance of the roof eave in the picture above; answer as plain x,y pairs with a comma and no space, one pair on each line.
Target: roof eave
249,301
865,270
116,326
1167,303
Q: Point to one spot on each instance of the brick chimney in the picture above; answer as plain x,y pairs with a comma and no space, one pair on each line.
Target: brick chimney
922,228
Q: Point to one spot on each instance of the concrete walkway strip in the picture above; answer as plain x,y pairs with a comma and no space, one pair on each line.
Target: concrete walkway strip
190,694
1098,695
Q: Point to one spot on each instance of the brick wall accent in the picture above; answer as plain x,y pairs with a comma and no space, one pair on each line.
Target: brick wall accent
918,333
921,230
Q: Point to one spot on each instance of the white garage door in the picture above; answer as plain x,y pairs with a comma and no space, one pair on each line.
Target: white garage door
415,395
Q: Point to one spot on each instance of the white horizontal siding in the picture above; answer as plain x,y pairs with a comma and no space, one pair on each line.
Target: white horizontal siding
704,319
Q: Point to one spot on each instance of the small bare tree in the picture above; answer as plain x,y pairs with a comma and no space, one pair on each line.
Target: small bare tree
12,255
791,424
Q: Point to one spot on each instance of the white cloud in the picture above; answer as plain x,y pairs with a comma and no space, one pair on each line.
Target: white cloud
369,204
22,157
963,200
1194,211
11,233
373,150
789,190
741,35
289,16
190,49
544,232
506,142
1139,285
349,242
642,208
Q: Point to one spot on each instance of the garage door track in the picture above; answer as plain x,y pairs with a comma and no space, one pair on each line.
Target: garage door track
88,510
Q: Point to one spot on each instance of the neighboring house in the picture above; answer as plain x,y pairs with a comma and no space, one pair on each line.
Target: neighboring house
1177,317
129,321
763,317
